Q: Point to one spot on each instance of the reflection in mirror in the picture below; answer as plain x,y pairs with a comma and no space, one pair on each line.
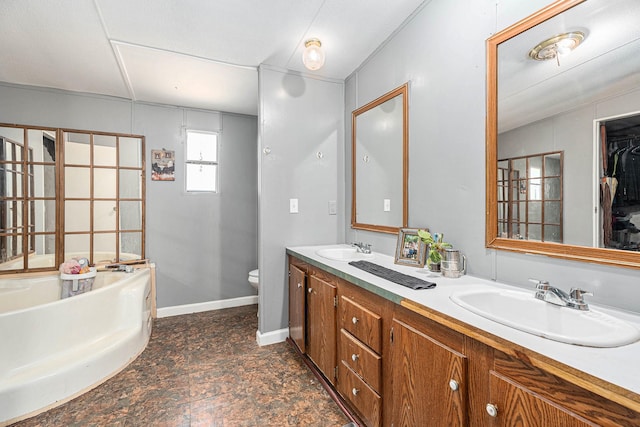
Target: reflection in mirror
28,194
113,204
380,163
130,152
102,198
104,150
620,184
558,116
530,197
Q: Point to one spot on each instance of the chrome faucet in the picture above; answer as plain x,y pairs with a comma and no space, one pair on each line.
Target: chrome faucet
364,248
574,299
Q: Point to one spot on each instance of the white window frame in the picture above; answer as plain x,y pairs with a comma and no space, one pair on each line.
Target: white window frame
202,162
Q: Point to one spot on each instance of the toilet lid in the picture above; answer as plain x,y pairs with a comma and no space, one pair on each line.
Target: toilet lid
253,273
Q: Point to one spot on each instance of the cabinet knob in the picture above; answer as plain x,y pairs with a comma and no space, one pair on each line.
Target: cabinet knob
354,357
492,410
454,385
299,285
355,391
309,290
354,320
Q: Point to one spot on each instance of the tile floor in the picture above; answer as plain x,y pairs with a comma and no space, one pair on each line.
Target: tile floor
204,369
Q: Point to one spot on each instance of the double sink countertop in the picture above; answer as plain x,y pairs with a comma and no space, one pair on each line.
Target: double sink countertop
618,368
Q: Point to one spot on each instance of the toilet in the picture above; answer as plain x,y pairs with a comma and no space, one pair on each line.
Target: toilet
253,278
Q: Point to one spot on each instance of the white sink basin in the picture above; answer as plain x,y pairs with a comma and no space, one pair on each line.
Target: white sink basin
520,310
345,253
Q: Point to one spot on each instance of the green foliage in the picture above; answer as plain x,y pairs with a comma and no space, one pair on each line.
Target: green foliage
435,244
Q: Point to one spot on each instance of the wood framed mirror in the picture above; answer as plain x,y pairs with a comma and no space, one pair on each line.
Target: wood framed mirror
380,163
573,106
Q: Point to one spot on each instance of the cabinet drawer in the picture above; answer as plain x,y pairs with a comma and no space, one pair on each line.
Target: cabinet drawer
365,400
360,359
363,324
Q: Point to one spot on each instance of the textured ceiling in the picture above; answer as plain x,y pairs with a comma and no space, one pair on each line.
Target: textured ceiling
193,53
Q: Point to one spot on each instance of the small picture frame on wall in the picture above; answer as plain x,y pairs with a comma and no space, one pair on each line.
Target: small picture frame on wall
410,249
163,165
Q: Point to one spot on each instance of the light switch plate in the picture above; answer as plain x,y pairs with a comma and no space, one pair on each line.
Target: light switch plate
333,207
387,205
293,205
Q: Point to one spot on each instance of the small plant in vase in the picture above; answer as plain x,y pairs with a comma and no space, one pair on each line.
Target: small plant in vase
436,248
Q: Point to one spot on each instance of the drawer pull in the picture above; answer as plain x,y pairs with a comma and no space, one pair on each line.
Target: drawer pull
355,391
299,285
355,357
492,410
354,320
309,290
454,385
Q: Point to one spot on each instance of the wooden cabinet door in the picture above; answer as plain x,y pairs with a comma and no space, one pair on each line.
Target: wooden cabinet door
423,370
516,405
297,309
321,325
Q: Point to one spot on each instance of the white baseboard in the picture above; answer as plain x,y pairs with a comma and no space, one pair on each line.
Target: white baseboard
272,337
206,306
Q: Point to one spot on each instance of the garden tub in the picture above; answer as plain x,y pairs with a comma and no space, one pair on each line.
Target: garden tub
52,349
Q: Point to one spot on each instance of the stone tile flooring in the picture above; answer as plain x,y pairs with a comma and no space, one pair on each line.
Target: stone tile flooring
204,369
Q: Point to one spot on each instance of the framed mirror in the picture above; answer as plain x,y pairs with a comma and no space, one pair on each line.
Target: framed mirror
380,163
563,121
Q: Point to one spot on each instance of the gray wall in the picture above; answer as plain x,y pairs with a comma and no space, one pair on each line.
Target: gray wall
447,137
203,244
299,117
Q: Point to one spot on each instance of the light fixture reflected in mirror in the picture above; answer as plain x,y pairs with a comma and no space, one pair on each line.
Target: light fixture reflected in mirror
557,46
313,55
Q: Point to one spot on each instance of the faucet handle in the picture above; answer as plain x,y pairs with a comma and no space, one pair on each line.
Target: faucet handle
577,294
541,285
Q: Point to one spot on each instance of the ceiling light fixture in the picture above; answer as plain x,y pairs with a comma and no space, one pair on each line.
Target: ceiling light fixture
313,55
556,46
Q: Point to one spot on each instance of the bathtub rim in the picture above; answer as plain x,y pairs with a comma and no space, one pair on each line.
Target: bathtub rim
126,277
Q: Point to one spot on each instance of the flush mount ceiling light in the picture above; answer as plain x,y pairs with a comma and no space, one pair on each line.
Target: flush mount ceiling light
556,46
313,56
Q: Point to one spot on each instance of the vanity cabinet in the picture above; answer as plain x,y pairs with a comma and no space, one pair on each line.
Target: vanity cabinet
321,323
297,306
360,351
527,395
403,364
312,315
429,373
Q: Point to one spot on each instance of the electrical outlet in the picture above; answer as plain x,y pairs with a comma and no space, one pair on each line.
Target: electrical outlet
293,205
387,205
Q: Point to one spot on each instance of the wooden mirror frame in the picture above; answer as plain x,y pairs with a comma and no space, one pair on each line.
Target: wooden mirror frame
404,91
629,259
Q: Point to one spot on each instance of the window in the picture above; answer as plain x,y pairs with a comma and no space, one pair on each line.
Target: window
201,168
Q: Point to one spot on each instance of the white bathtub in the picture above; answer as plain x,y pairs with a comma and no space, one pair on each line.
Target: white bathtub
53,350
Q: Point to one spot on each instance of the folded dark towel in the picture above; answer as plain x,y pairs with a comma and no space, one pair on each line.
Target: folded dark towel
393,276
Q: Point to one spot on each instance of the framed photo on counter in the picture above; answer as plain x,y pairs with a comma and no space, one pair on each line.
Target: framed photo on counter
410,249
